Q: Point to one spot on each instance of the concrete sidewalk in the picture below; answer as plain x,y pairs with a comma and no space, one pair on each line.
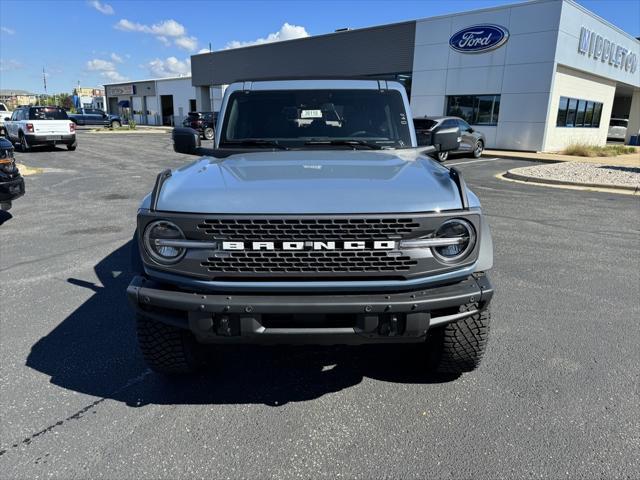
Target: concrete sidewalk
629,160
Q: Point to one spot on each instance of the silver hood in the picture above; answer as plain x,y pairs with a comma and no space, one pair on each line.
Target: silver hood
312,182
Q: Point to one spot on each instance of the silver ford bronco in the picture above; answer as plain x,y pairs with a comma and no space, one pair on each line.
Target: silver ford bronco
316,218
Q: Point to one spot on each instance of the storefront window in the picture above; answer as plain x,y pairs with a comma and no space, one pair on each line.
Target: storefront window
578,113
562,112
475,109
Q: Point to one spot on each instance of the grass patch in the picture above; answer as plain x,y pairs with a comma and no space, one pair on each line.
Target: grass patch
585,150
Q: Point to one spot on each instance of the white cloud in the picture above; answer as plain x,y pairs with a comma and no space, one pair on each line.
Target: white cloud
97,65
106,68
188,43
8,65
165,31
203,50
114,76
116,58
286,32
166,28
170,67
7,30
103,8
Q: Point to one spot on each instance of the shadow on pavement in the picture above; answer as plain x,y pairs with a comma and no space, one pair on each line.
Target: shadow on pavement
5,216
93,351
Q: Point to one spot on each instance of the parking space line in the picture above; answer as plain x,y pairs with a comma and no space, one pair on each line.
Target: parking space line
472,161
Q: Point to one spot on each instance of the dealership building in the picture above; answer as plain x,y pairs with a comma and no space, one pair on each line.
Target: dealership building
532,76
161,101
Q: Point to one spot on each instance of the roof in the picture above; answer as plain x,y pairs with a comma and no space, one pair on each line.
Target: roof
11,92
182,77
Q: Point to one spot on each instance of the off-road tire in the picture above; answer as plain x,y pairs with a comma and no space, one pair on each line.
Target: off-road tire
167,349
458,347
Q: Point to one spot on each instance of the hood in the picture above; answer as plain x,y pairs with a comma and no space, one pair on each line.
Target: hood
311,182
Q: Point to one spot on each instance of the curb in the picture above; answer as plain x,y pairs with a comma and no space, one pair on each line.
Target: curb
524,159
623,189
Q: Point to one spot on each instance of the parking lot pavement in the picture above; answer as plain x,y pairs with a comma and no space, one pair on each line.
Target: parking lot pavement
556,396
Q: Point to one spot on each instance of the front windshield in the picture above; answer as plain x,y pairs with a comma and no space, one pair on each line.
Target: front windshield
295,118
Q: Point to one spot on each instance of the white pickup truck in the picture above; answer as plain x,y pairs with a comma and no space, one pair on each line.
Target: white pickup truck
38,125
4,112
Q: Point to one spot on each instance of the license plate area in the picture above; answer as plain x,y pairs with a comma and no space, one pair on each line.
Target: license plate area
53,137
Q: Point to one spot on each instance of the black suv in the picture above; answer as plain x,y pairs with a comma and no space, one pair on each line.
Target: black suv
203,122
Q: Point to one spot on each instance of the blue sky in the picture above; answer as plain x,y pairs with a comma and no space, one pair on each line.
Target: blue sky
95,41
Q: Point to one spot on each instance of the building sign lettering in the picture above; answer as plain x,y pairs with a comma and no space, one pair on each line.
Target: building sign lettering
601,48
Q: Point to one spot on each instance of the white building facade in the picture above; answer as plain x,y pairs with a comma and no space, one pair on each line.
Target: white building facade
554,81
162,101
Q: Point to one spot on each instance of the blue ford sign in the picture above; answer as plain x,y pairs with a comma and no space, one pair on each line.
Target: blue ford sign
479,38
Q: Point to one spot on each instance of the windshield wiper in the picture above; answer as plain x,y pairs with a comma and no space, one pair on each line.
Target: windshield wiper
256,142
351,143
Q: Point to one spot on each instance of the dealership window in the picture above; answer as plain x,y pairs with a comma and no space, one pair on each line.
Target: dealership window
475,109
573,112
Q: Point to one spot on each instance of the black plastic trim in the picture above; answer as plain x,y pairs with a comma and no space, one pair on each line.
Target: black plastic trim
157,188
456,176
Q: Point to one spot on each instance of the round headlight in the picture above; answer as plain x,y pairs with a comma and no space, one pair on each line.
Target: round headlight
158,238
465,239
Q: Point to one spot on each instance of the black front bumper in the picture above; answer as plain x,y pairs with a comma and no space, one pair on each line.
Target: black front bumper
11,189
314,319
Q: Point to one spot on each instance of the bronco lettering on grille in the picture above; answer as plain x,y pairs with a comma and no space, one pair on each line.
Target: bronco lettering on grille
347,245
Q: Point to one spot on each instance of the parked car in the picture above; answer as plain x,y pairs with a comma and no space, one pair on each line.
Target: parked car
471,141
617,129
41,125
4,112
95,116
11,182
202,122
326,224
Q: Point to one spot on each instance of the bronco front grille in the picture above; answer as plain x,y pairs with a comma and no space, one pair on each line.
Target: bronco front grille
309,228
311,261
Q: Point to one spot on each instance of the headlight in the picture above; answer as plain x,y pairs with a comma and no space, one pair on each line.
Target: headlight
162,241
463,237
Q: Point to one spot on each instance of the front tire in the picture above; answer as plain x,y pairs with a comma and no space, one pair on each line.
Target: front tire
167,349
458,347
208,133
115,124
478,149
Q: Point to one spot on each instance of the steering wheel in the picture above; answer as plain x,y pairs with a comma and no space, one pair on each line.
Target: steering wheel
362,133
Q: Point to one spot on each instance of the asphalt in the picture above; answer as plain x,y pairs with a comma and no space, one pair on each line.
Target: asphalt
557,395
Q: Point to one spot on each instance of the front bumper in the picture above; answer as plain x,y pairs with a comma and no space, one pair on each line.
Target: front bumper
314,319
52,139
11,189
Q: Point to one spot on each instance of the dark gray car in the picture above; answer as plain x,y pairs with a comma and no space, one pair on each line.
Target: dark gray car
471,141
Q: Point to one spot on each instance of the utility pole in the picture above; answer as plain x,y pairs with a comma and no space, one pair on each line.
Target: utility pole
44,80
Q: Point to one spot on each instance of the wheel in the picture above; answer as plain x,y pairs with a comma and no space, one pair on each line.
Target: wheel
24,144
440,156
477,151
459,346
208,133
72,147
115,124
166,349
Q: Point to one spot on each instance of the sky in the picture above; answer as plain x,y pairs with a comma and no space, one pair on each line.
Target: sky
95,42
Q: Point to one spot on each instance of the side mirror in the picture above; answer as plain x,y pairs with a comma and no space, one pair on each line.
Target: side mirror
186,140
7,119
446,139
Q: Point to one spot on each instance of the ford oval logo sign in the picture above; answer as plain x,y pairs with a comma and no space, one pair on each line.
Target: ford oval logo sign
479,38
